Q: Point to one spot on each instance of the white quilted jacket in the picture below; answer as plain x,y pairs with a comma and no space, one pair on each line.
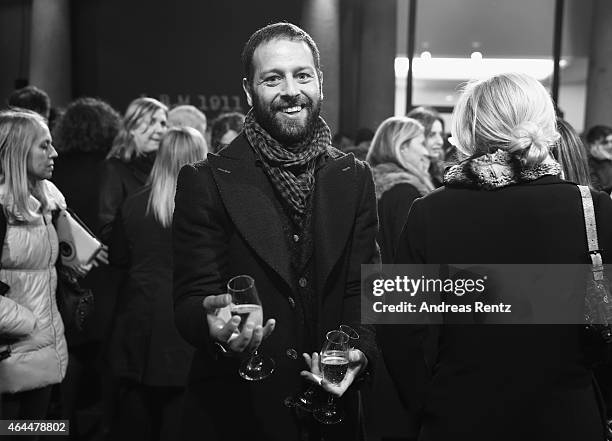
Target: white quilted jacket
28,312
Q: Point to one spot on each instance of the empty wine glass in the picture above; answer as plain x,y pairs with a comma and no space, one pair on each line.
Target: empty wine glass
245,302
334,361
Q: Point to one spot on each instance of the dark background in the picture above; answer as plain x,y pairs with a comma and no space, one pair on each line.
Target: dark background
170,51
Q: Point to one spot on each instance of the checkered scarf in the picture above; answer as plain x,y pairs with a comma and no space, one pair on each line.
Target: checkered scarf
291,172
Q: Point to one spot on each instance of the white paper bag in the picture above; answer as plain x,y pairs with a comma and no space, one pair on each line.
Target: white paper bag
77,245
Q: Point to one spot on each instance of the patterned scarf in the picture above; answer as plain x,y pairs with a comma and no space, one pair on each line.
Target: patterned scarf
497,170
291,171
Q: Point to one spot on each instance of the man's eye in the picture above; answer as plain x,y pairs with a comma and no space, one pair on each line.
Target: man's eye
303,76
272,80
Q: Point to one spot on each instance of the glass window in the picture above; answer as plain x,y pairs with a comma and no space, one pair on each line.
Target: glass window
459,40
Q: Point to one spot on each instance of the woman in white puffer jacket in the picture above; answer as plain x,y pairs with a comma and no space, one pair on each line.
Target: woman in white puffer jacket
29,318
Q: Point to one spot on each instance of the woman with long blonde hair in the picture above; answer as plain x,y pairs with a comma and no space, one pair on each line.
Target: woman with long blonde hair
130,159
400,163
147,354
31,329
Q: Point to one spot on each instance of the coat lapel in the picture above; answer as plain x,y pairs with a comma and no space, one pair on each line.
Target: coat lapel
249,200
334,215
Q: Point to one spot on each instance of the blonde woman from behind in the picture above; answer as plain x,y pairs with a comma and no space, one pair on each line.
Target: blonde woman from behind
506,204
147,354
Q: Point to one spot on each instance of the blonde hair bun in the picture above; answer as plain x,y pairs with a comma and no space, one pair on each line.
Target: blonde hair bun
525,135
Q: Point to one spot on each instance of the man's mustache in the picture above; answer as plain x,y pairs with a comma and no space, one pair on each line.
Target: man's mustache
292,102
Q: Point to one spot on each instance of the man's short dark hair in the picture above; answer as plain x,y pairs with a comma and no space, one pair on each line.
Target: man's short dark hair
32,98
598,133
284,31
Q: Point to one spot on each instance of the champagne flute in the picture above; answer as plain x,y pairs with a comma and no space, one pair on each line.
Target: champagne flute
305,400
245,302
334,360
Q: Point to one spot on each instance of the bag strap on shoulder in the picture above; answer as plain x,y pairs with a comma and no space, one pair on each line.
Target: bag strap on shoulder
591,232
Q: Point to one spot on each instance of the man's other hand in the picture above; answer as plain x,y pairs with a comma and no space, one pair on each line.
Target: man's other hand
224,328
357,363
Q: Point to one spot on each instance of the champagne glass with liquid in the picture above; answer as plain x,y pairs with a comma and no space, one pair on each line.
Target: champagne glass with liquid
245,303
334,360
306,399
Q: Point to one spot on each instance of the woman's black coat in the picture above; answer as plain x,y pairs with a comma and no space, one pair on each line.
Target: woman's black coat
145,345
502,382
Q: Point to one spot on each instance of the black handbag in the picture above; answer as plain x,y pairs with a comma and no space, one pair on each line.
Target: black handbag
597,299
74,302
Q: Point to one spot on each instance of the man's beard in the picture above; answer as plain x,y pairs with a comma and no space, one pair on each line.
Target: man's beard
286,131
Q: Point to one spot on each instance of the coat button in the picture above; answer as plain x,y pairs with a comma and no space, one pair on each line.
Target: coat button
292,354
303,282
291,302
296,238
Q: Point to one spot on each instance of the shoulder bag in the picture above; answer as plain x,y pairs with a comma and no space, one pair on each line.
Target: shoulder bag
75,303
597,299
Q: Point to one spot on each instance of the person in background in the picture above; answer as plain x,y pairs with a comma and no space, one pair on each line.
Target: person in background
131,158
599,143
125,171
505,205
187,115
434,140
362,143
224,129
37,350
31,98
399,163
146,351
342,141
83,136
571,154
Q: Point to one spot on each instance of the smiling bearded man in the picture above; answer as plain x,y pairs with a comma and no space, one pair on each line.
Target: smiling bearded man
283,206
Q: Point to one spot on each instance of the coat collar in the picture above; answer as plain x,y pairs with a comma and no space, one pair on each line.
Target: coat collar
249,199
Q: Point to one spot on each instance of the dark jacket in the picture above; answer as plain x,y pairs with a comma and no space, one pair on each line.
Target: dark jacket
503,382
226,222
601,174
145,345
118,180
393,208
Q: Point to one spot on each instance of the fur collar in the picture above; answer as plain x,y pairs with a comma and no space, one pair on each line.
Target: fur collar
497,170
388,175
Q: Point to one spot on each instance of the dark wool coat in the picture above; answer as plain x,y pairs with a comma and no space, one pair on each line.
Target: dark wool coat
512,382
145,345
601,173
118,180
393,208
226,222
